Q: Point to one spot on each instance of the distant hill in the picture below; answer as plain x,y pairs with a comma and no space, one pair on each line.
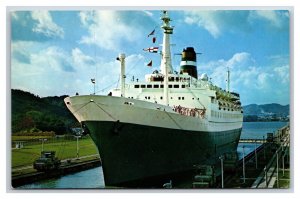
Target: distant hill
266,109
46,114
266,112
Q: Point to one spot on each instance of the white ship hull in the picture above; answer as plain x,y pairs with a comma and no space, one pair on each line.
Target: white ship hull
145,143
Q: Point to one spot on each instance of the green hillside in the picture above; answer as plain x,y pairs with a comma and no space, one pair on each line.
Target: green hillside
29,112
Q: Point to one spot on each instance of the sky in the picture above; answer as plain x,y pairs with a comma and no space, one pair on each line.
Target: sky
58,52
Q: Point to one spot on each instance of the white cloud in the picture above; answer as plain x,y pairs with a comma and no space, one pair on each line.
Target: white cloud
251,80
46,25
150,14
274,18
53,57
216,22
206,19
80,59
54,71
283,73
107,29
238,62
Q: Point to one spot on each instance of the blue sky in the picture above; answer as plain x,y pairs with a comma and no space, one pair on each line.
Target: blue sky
58,52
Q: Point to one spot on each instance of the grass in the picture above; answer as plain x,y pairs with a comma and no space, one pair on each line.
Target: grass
65,149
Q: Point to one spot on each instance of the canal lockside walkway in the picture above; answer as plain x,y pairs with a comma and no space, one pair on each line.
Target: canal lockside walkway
28,175
15,170
268,166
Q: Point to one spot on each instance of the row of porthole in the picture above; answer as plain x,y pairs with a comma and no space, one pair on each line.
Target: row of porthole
227,109
179,98
158,86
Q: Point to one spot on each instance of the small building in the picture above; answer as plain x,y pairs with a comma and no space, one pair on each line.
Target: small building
19,144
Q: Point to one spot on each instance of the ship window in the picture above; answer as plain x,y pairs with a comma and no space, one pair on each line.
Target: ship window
182,86
145,97
179,98
198,98
155,86
148,97
182,98
161,86
170,85
193,98
149,86
177,79
176,86
136,86
143,86
171,79
161,97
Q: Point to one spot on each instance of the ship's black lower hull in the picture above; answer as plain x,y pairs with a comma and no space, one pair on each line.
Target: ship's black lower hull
137,156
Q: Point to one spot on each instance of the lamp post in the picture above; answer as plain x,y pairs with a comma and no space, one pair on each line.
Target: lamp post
43,140
283,154
255,156
266,176
264,147
277,169
77,147
244,180
222,171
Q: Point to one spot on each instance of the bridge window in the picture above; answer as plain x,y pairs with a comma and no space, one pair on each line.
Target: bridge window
170,85
182,86
156,86
176,86
149,86
143,86
137,86
161,86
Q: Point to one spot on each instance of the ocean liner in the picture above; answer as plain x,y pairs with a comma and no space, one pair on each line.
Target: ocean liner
149,132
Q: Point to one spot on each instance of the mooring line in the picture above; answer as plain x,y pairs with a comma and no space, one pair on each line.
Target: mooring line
173,120
105,112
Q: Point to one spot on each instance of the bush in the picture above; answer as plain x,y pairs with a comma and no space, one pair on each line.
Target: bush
35,132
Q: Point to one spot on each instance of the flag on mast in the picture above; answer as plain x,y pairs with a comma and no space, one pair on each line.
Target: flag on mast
151,49
151,33
93,81
154,39
150,64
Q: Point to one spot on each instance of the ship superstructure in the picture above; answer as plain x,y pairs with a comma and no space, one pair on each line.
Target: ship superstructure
146,132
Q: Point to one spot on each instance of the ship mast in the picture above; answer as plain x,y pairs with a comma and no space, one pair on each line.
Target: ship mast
121,58
228,80
166,66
